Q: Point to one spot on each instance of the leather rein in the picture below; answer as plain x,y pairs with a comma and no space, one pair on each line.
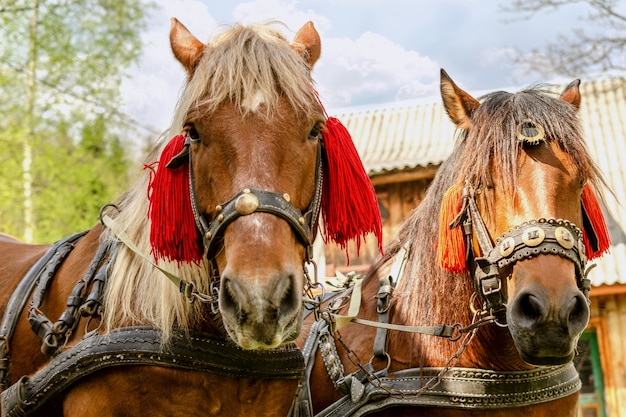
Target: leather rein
368,390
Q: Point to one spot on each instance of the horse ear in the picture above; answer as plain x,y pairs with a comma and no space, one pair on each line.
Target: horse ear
571,94
458,104
308,44
186,48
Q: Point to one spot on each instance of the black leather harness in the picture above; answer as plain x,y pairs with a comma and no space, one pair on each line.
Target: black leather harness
527,240
251,200
142,346
366,390
244,203
125,346
44,268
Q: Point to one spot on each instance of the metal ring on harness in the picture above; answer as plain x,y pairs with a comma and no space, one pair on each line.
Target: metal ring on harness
103,209
385,356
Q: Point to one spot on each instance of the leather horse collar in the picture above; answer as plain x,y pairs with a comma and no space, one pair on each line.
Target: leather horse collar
138,345
366,391
142,346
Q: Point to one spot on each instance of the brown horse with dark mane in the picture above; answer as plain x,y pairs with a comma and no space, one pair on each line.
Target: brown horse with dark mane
478,303
186,300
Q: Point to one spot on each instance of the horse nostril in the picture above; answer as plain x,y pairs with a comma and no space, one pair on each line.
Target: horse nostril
272,314
577,314
291,297
227,300
242,317
528,309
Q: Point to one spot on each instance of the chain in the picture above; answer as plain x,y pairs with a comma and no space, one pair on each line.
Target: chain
468,334
467,339
310,299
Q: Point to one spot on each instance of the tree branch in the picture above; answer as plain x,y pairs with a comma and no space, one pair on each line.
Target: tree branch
581,52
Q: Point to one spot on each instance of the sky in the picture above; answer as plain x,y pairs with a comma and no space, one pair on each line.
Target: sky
374,52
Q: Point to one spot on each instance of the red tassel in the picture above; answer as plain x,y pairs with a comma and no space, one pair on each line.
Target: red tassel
597,225
173,232
349,204
451,245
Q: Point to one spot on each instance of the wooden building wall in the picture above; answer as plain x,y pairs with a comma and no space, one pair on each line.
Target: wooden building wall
396,200
608,318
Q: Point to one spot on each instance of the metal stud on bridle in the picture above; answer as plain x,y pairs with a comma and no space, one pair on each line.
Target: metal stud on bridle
529,239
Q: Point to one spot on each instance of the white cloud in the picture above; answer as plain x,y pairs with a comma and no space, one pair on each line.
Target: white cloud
370,68
286,11
151,93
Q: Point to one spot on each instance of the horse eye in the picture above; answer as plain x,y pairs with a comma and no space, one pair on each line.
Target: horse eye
316,132
193,133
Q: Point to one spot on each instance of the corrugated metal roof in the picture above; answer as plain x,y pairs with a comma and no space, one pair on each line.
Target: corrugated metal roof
401,136
407,135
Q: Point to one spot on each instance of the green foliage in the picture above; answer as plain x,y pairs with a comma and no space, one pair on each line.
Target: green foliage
61,66
73,180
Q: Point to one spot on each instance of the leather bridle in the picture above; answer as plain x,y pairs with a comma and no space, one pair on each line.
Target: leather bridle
253,200
367,390
490,271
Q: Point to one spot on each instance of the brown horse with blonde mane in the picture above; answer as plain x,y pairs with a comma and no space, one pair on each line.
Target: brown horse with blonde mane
186,300
478,303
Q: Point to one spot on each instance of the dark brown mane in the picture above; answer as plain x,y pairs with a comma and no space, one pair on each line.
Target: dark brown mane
492,139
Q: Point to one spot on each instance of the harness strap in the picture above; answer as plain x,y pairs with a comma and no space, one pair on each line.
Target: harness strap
387,285
54,335
92,306
460,388
529,239
384,303
338,320
142,346
251,200
482,234
185,287
441,330
46,265
254,200
302,405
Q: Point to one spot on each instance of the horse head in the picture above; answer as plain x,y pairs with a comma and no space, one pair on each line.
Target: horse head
252,127
522,192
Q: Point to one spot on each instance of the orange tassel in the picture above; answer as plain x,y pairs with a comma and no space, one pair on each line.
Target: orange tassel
451,245
600,242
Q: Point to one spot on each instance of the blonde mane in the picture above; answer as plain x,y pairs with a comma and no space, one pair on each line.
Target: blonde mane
240,63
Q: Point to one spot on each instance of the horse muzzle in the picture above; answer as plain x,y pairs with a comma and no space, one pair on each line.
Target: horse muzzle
545,327
262,316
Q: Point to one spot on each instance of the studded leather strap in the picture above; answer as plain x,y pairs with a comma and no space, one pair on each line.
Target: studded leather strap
142,346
